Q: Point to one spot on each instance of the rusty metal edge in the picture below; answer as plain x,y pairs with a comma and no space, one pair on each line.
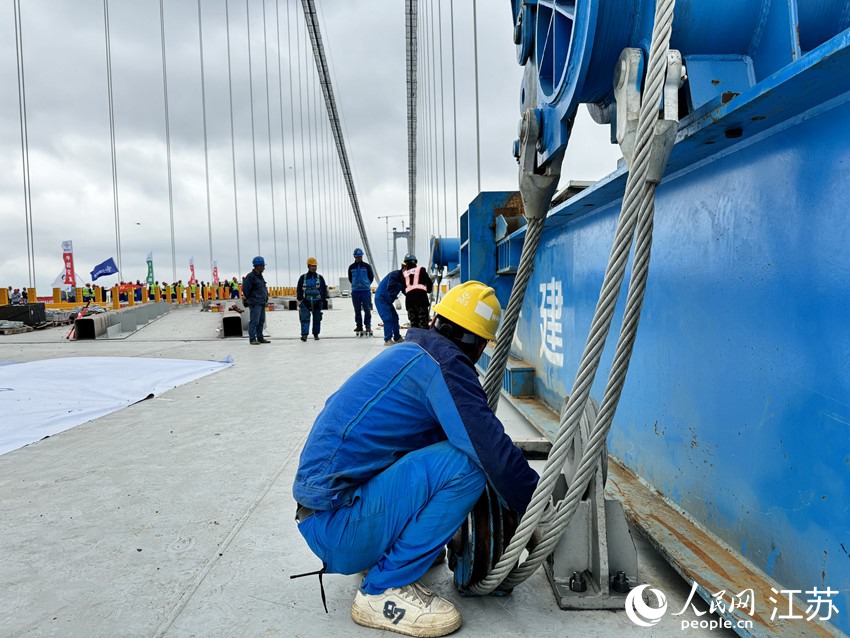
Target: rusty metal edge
695,553
700,556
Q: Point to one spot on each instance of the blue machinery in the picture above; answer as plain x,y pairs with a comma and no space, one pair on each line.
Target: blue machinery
736,412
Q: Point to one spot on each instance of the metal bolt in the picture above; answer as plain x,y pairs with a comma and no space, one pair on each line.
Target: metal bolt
620,583
577,583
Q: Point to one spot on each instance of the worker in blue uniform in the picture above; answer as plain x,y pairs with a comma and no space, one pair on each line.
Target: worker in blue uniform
361,277
385,296
397,459
255,296
311,292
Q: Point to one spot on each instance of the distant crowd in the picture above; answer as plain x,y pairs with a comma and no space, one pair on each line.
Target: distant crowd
168,291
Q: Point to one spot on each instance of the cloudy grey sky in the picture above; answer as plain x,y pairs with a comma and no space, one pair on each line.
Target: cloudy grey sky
69,136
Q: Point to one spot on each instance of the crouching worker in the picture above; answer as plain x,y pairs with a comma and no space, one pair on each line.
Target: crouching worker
397,459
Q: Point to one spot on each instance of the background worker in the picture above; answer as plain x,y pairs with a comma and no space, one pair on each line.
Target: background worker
385,297
311,292
386,478
255,296
417,291
361,277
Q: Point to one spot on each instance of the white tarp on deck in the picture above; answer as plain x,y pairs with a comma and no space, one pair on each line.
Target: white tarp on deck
42,398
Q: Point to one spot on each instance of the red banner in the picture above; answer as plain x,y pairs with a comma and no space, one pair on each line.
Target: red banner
68,258
192,272
215,274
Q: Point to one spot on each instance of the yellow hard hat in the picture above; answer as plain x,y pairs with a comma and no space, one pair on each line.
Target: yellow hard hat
472,306
311,261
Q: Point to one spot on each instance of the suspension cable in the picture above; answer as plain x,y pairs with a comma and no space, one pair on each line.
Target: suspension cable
330,104
637,211
232,141
477,119
411,51
454,122
308,84
204,120
443,119
112,133
253,132
269,129
25,153
292,129
282,142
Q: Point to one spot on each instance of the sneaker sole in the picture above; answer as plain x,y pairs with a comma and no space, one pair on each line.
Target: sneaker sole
365,619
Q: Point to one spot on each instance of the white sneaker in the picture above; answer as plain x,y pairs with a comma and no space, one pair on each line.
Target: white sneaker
412,610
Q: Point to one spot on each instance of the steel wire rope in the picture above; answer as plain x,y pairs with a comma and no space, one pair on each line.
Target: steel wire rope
637,212
204,120
253,130
269,129
282,141
25,152
454,122
443,119
299,261
112,133
232,136
333,253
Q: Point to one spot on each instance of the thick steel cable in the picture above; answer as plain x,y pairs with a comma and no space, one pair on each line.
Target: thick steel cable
25,151
269,129
112,133
638,203
204,120
299,260
282,141
496,368
253,131
232,138
427,198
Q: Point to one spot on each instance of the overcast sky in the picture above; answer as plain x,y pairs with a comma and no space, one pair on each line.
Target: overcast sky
69,135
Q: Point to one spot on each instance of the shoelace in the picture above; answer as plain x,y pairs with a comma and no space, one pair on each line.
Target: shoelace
318,573
417,593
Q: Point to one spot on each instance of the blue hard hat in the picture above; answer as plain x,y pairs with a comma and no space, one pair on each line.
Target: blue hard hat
258,261
358,252
409,257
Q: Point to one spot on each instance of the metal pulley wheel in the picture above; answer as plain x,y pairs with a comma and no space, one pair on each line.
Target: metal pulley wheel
480,542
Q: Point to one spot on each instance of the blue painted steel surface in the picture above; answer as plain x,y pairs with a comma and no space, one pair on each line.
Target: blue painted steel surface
445,252
729,45
736,405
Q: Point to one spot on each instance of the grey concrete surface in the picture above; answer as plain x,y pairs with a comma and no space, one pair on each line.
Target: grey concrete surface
174,517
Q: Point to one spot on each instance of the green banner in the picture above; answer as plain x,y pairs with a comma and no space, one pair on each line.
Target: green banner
150,270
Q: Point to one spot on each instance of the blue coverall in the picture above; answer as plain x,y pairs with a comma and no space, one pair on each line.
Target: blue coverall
385,296
311,291
256,296
361,278
397,459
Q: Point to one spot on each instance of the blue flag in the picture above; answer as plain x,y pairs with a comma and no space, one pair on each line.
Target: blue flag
106,268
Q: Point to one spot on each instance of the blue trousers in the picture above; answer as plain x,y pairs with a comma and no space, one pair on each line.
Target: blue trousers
390,318
362,300
399,520
305,311
257,321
